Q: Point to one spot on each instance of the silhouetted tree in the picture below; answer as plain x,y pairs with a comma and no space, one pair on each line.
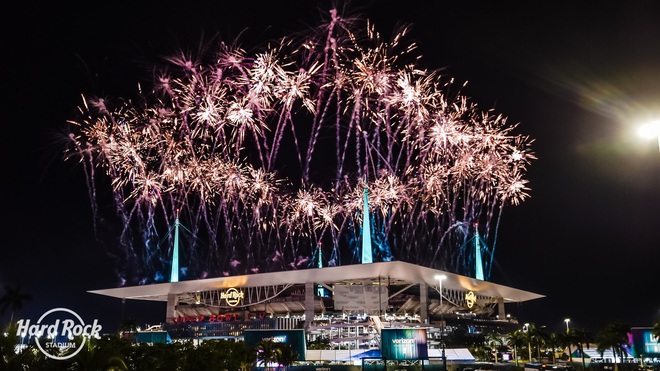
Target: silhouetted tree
516,340
555,340
535,335
14,299
267,353
495,341
105,354
270,352
615,337
580,337
13,354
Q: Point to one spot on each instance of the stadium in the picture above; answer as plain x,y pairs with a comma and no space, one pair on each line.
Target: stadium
347,306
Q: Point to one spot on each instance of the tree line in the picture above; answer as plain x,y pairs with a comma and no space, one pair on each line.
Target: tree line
112,352
535,345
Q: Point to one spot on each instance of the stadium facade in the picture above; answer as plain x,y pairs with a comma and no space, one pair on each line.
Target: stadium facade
348,306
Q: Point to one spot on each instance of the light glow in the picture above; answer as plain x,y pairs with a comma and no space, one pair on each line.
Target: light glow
650,130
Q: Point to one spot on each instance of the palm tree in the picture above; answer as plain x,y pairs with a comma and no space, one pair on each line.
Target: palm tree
209,355
102,354
565,342
528,341
516,340
280,353
13,299
268,352
240,354
10,358
286,355
495,342
159,356
579,337
536,335
615,337
554,341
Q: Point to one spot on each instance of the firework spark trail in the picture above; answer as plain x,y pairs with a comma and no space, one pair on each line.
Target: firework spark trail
242,145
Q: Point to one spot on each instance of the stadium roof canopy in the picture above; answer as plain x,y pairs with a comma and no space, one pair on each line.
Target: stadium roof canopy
391,273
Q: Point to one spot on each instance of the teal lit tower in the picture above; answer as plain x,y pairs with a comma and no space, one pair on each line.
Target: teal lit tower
320,291
478,264
174,276
367,254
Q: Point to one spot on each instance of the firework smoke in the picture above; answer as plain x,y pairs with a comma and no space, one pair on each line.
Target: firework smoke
265,156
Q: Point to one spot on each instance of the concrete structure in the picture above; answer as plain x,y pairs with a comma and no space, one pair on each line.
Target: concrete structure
360,300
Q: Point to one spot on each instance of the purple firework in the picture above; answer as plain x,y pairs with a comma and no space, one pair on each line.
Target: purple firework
264,156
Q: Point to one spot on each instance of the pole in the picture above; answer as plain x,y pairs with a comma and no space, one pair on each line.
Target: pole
529,341
442,324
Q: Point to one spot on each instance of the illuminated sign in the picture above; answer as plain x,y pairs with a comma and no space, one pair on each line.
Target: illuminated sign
470,299
62,332
293,338
232,296
403,344
643,342
229,317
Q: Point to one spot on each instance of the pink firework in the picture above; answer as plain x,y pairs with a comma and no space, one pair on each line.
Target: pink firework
264,156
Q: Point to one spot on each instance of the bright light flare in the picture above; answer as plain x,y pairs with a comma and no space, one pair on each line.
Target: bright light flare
650,130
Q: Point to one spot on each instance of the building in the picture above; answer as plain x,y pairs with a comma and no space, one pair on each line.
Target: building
347,306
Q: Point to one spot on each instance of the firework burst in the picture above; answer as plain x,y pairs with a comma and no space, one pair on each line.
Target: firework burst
265,156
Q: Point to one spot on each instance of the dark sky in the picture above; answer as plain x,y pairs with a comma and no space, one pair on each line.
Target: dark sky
578,78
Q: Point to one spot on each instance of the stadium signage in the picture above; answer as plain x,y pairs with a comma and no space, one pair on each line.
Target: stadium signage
232,296
294,338
470,299
230,317
404,344
60,333
276,339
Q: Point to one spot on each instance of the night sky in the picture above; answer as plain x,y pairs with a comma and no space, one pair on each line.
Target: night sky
578,78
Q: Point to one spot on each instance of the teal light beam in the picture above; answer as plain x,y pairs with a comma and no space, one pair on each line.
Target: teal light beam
367,255
479,267
174,277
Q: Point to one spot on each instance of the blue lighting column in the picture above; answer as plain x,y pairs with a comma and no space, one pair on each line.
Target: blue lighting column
479,267
320,291
174,276
367,255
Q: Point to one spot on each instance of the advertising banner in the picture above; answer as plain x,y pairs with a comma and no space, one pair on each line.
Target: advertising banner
404,344
294,338
643,343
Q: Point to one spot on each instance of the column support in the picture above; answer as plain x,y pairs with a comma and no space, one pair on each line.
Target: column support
500,308
309,304
172,302
424,302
